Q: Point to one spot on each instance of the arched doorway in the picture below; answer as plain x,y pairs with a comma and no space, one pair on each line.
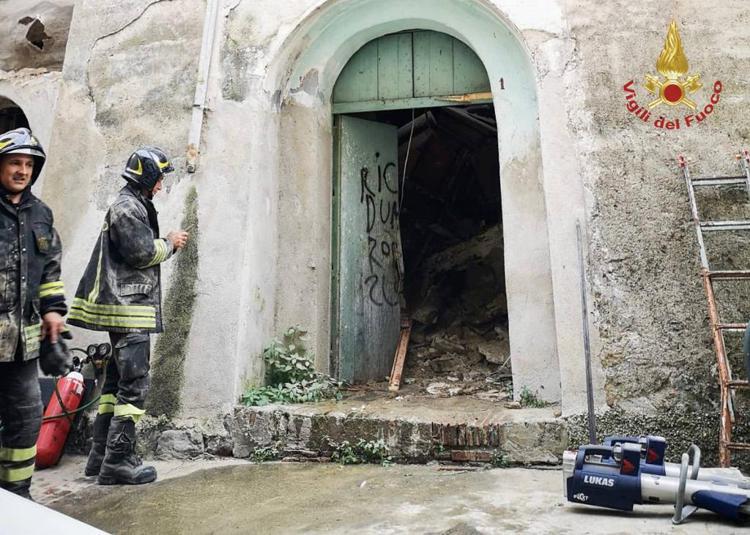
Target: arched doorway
301,80
11,115
417,190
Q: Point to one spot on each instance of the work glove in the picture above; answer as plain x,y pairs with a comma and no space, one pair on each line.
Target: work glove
55,359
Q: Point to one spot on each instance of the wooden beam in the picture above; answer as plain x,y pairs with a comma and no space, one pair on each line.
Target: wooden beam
400,359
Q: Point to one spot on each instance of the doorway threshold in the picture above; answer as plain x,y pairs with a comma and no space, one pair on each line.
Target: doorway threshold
415,429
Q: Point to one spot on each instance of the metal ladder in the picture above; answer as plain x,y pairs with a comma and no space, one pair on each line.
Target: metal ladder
727,384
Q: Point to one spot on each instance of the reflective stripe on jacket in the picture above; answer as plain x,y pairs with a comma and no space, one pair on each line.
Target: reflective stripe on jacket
121,288
30,286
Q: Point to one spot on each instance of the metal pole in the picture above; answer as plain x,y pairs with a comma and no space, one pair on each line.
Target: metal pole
201,87
586,338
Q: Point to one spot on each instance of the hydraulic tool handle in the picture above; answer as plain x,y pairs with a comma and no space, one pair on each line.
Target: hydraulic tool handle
606,452
695,466
620,439
682,512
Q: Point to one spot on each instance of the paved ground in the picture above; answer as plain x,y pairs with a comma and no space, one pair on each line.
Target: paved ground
239,497
67,479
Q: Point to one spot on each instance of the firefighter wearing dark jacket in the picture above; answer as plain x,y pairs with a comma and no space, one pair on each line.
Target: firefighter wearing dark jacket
32,303
120,292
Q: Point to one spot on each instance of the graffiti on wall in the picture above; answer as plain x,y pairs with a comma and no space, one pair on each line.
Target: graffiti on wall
379,195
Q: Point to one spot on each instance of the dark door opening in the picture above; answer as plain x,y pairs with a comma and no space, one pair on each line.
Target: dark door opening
452,245
11,116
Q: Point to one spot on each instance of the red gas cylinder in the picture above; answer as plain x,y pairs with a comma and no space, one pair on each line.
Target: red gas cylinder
54,432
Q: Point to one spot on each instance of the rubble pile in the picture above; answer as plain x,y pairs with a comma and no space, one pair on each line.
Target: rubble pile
459,340
452,243
453,255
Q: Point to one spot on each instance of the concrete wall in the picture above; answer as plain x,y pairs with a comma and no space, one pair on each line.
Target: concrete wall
29,75
569,151
130,80
34,34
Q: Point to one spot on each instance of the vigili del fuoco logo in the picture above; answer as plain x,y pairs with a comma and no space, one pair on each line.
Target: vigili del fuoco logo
671,92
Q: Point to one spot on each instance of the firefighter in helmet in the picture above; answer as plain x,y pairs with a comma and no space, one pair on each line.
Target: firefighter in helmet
32,304
120,292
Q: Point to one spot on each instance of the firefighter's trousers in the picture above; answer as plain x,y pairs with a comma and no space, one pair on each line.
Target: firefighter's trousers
126,381
20,418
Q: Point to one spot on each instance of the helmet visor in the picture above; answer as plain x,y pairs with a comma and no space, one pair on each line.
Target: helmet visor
31,151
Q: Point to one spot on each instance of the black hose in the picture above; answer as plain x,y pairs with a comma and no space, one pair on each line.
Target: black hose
68,413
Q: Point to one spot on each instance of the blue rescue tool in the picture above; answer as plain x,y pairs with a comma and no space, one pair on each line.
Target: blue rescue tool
653,449
612,476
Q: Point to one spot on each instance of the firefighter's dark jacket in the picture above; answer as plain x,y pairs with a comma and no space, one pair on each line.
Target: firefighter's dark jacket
121,288
30,286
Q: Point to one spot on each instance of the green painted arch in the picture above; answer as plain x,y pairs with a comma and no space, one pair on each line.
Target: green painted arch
410,69
301,77
312,57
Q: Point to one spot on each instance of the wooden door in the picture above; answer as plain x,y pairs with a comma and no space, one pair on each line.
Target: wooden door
367,249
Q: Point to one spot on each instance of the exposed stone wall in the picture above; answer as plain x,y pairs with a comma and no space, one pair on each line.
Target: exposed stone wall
649,305
307,432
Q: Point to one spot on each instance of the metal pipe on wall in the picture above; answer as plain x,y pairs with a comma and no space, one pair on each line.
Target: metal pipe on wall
199,102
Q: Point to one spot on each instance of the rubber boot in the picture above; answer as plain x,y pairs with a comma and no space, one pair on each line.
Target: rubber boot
121,465
20,488
99,444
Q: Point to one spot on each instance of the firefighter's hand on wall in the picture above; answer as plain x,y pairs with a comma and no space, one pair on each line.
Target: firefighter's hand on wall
178,238
52,325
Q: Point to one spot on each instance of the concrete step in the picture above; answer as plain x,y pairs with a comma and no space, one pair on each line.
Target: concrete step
415,430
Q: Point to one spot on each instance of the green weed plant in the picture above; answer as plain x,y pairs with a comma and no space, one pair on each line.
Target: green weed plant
291,375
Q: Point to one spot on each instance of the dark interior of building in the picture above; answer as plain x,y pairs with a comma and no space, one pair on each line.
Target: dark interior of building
451,232
11,116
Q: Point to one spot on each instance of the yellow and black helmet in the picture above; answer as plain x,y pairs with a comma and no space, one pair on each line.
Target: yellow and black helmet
21,141
145,166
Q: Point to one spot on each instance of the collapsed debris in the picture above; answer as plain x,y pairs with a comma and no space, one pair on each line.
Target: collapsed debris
453,255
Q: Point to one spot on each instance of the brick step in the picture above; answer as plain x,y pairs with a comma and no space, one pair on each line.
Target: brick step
527,436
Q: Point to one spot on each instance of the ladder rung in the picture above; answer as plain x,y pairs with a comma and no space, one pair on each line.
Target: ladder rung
726,225
729,274
738,384
719,181
732,326
738,446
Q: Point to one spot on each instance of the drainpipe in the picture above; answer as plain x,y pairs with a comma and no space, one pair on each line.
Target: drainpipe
199,102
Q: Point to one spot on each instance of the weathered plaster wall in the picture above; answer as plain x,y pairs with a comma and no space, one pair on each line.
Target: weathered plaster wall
35,92
265,168
128,80
50,33
264,172
307,67
29,76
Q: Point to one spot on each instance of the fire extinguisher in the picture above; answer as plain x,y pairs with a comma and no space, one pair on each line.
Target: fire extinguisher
58,418
64,405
